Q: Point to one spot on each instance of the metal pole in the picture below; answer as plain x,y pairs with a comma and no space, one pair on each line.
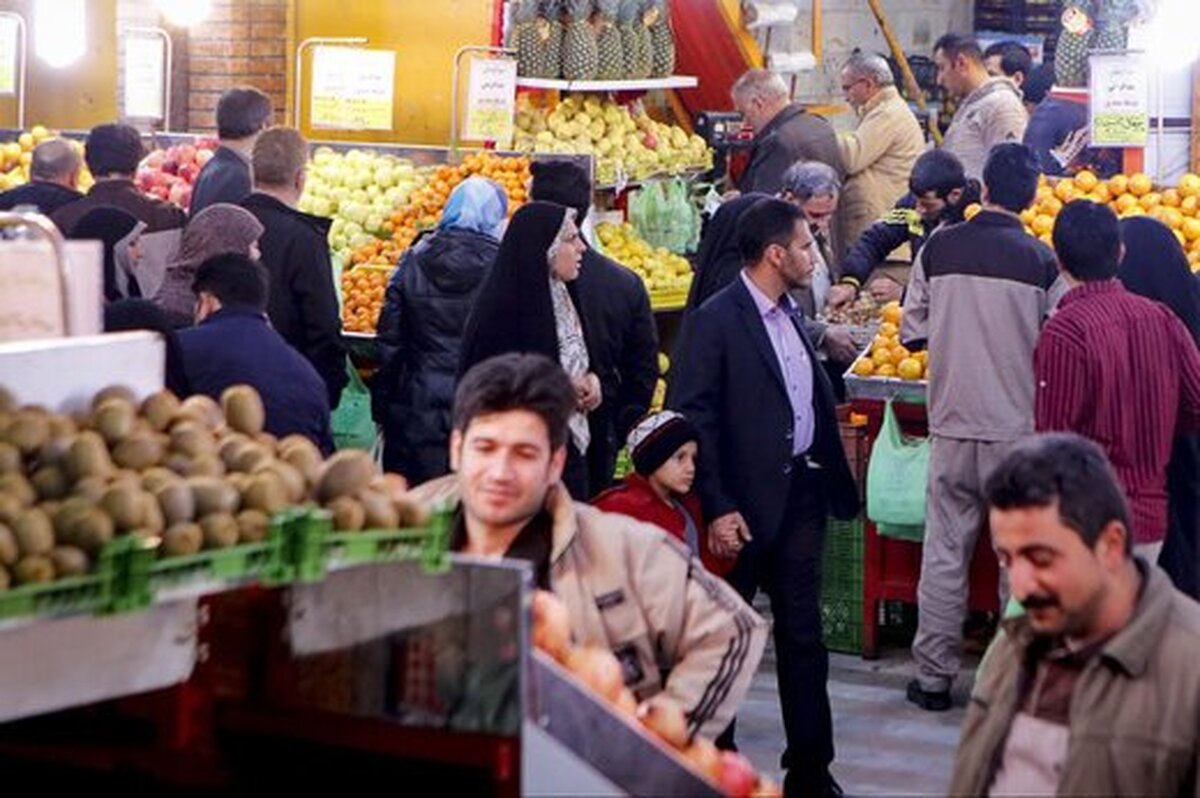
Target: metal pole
168,65
299,82
898,53
454,84
23,43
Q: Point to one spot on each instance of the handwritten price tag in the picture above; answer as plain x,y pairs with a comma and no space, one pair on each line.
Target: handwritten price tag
352,89
491,100
1120,100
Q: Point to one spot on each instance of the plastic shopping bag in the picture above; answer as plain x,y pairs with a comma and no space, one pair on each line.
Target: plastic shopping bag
896,480
353,427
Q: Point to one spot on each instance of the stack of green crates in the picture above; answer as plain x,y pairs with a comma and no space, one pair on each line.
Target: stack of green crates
842,586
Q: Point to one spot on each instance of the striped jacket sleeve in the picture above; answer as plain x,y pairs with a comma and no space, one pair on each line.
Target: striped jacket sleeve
1062,382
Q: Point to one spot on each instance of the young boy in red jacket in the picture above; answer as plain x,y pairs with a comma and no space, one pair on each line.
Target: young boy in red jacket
663,447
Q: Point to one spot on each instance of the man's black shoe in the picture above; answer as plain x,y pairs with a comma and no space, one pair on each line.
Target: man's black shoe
926,700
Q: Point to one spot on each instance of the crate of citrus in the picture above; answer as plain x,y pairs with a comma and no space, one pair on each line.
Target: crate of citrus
887,369
363,289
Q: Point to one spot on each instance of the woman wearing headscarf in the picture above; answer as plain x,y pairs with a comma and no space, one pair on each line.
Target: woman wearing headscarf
1155,267
718,260
526,305
117,232
219,229
421,327
142,314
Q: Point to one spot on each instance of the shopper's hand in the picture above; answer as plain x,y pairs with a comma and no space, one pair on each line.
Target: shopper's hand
588,393
728,534
838,344
885,289
841,295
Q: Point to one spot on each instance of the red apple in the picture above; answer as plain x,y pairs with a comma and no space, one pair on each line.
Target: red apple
598,669
203,157
188,172
175,195
170,166
665,718
186,153
650,140
704,759
161,192
155,159
738,777
551,625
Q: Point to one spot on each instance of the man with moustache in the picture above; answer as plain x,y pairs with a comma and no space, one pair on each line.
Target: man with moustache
771,463
1095,690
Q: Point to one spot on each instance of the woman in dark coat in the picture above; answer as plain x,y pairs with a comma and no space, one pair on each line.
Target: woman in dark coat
719,260
425,311
527,305
1155,267
117,232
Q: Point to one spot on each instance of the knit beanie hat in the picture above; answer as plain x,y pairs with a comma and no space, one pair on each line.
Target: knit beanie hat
656,438
563,183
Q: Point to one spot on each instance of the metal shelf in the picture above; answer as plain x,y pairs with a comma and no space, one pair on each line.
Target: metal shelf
649,84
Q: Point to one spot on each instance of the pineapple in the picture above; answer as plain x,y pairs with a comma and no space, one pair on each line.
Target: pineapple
579,48
662,41
524,38
610,63
1090,25
552,38
635,39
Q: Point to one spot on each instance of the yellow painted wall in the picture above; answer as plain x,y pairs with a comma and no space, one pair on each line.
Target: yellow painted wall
78,96
425,35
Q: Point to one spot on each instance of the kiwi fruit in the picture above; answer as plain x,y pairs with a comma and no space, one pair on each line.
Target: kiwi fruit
54,451
50,483
243,409
265,492
10,508
91,488
92,530
159,409
124,506
220,530
177,502
289,476
27,430
303,455
114,420
213,496
34,569
5,579
62,426
126,479
138,452
8,403
10,458
345,474
250,457
177,463
156,477
192,439
34,532
67,514
379,512
412,513
88,457
205,465
267,441
69,561
9,550
114,392
229,447
182,539
348,514
19,488
253,526
153,520
204,410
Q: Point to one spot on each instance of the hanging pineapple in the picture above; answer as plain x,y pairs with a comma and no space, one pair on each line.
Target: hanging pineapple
610,59
635,39
662,40
551,16
1091,25
525,39
579,48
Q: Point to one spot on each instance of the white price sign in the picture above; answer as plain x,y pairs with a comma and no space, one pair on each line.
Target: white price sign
1119,105
491,100
8,56
352,89
145,67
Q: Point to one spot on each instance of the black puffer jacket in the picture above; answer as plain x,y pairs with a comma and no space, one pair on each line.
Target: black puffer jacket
421,327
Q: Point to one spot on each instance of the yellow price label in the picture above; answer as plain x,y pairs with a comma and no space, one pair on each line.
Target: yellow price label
1125,130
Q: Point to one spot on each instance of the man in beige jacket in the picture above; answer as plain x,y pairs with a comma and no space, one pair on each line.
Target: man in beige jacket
628,586
879,155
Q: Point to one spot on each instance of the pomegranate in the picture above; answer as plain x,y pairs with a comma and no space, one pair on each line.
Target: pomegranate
665,718
704,758
598,669
738,778
551,625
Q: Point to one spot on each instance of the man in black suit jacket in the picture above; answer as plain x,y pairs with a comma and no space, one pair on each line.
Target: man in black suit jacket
771,463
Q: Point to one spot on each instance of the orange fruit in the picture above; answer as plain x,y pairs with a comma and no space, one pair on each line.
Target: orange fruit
1136,210
891,313
1101,193
1151,200
900,353
1140,184
1051,206
1065,190
1042,224
1189,185
885,370
1126,202
882,357
881,342
1171,217
1044,192
1171,198
970,211
910,369
1191,229
889,329
1047,239
864,367
1182,239
1028,215
1085,181
1189,205
1118,185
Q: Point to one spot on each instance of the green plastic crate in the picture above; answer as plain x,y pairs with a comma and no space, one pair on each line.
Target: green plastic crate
842,586
94,593
429,545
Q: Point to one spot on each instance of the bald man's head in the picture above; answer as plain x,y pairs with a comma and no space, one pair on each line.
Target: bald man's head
56,161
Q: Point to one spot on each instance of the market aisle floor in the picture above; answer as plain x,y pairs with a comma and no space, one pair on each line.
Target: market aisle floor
885,746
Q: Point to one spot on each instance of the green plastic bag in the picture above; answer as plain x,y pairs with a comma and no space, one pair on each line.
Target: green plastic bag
353,427
896,480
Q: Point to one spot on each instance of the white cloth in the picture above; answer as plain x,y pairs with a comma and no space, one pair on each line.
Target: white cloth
572,353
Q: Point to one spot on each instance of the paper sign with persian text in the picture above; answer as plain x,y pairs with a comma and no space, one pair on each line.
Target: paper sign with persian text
491,100
145,67
1120,100
352,89
8,56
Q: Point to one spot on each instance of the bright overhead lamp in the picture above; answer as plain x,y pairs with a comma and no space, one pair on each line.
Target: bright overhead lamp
185,13
60,31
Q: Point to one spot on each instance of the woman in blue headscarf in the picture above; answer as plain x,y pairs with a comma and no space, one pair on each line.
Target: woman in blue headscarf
421,327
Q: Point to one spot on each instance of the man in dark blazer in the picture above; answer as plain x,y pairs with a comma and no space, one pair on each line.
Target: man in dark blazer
242,114
772,465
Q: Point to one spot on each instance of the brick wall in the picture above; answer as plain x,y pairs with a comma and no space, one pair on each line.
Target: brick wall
243,43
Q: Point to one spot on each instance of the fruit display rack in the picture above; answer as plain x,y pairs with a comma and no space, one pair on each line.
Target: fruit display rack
647,84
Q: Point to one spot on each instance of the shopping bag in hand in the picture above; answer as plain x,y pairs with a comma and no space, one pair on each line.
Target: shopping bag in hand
353,427
896,480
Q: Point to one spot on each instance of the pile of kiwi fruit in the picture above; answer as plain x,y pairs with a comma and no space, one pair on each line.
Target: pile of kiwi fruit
194,474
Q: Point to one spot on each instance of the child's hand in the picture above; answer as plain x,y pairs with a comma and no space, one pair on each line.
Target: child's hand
728,534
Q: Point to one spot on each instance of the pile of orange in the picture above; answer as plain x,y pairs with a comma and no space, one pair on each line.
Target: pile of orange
424,207
887,357
363,289
1128,195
